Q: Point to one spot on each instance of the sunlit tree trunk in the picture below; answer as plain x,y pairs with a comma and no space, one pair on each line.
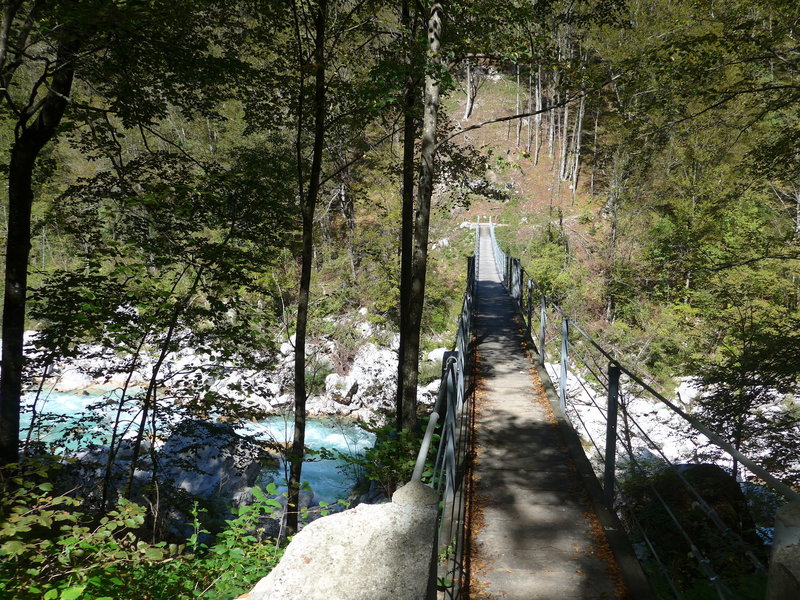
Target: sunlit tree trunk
519,110
538,130
421,222
470,103
576,139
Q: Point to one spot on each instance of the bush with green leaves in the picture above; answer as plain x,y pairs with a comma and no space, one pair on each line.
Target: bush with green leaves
390,462
50,548
53,550
239,557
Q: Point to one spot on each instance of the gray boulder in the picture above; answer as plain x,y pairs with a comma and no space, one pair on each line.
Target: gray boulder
371,552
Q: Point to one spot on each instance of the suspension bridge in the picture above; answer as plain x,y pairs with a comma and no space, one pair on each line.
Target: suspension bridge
554,484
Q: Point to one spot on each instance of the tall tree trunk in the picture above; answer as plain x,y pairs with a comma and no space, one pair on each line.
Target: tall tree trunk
519,110
421,222
307,207
24,152
594,149
529,131
407,235
576,148
470,91
551,115
562,163
538,131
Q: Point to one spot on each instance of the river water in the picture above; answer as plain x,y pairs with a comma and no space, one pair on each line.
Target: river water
328,479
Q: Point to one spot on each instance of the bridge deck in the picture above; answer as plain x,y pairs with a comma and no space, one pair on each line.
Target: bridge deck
536,535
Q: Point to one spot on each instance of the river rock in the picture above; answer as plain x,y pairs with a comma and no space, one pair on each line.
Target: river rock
436,355
208,462
371,552
73,379
721,493
209,459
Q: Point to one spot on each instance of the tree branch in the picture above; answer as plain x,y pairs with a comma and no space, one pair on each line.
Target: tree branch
567,100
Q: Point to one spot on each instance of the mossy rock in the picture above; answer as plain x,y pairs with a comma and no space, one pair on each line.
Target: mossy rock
729,545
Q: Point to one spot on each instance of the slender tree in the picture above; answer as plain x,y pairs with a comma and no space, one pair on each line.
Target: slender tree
308,203
416,297
91,61
410,102
36,124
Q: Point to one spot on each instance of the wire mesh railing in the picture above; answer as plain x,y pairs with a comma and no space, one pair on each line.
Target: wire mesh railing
695,523
450,418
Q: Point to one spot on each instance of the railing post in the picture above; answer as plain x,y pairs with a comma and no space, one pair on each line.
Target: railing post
611,435
514,277
562,384
530,307
472,265
542,328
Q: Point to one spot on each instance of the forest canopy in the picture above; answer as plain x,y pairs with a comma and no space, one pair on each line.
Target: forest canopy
229,176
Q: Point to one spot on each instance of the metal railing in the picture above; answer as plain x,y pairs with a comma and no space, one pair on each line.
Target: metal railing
653,490
451,419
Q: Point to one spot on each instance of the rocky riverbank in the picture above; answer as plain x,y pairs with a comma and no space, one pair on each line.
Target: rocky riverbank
355,379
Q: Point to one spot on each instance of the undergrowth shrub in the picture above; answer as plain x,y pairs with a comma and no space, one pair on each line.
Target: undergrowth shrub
51,549
390,462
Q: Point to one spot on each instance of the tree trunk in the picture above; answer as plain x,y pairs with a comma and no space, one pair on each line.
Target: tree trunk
538,131
149,405
24,152
594,149
407,235
308,205
551,116
576,140
421,223
519,110
562,166
470,91
529,131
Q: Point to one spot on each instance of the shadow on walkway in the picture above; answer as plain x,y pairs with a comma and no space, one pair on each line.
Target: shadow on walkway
540,537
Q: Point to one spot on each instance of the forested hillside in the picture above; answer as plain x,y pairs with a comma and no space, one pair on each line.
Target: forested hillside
224,178
679,243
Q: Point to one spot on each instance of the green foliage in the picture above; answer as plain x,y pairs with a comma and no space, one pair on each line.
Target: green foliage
649,483
390,462
238,558
52,549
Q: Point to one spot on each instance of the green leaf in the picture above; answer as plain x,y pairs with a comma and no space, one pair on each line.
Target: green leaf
72,593
12,547
154,554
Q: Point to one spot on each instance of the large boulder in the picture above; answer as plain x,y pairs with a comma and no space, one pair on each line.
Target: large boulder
209,463
730,544
209,459
371,552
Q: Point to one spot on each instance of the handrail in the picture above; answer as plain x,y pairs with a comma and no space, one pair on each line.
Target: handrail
450,416
778,485
548,331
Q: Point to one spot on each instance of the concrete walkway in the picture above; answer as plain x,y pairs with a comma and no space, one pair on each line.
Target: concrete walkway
536,536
